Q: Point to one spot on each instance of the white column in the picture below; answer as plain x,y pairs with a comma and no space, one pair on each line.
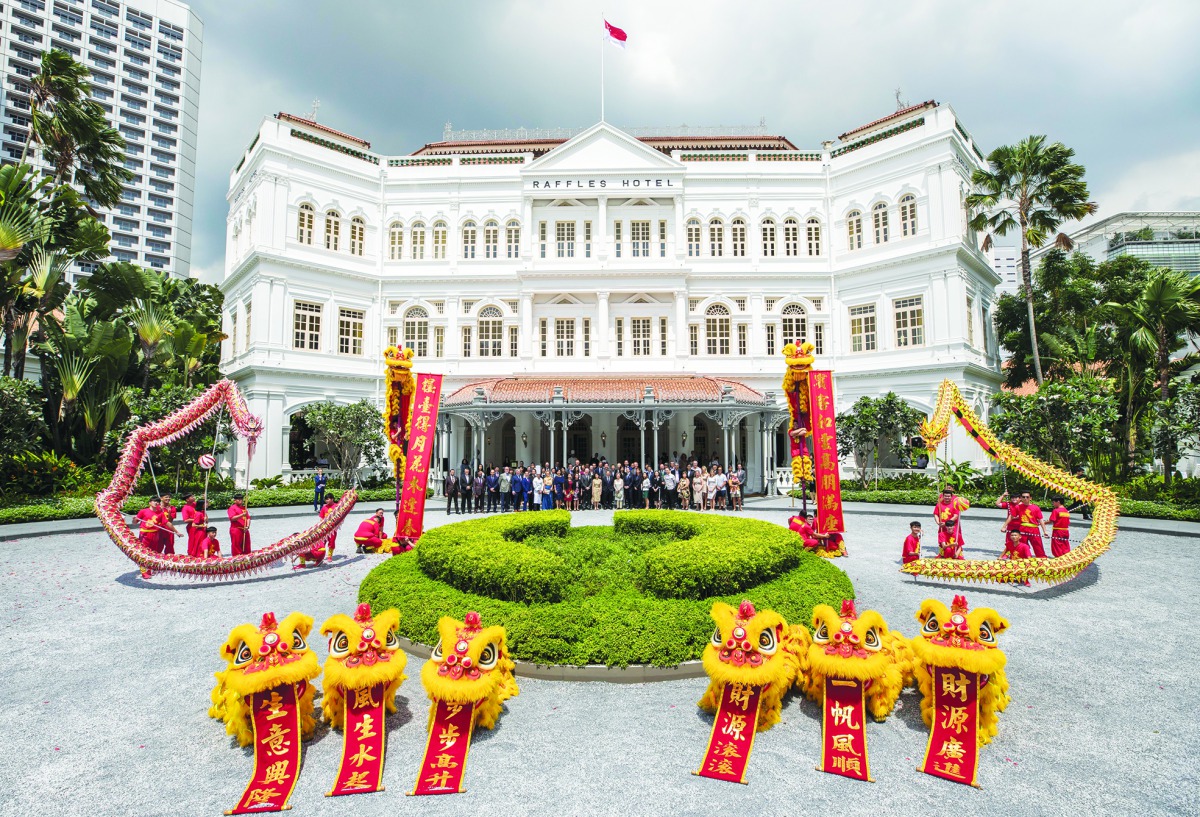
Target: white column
602,326
601,234
285,466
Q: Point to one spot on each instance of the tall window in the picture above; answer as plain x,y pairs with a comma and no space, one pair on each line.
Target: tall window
512,238
541,239
716,329
564,235
737,238
418,241
350,331
813,233
304,224
794,324
564,337
768,238
358,235
716,238
439,341
491,332
910,322
662,239
854,230
639,236
662,336
491,239
542,336
306,326
879,216
770,327
467,336
468,239
791,237
617,239
694,338
619,331
395,241
587,337
970,320
587,239
249,310
818,338
639,336
333,229
693,238
233,333
416,330
512,341
393,335
862,328
908,215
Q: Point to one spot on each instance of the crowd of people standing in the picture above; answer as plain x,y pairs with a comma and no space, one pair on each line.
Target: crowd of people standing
598,485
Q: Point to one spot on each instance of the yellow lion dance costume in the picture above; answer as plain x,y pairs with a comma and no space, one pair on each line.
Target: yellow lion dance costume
398,383
363,651
799,360
857,647
473,668
755,649
259,658
967,641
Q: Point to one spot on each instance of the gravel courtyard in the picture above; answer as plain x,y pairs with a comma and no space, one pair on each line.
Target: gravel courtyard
107,686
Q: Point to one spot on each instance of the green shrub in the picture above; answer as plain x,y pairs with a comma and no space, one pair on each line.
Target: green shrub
37,474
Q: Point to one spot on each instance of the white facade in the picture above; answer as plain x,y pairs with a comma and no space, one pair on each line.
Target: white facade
602,255
144,56
1006,261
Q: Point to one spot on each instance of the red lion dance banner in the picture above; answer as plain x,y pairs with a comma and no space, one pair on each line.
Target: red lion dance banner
410,419
173,427
824,429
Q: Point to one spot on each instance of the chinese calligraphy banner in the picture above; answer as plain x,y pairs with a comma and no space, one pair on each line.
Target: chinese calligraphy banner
446,750
276,721
411,519
953,750
732,734
365,738
844,730
825,452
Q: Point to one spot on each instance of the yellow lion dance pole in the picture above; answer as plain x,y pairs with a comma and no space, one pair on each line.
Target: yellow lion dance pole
397,413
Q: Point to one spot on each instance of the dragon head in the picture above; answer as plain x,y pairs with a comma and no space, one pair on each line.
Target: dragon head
269,655
470,663
959,637
398,358
848,645
363,650
747,646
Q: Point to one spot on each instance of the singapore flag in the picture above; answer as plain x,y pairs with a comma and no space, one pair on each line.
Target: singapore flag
615,35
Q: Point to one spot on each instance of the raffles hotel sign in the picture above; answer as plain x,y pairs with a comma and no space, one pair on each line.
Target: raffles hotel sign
612,185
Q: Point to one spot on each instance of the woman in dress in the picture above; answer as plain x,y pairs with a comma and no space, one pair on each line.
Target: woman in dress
685,485
597,489
714,485
197,530
700,488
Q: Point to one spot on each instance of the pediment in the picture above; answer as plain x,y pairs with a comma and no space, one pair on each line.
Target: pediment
641,298
602,148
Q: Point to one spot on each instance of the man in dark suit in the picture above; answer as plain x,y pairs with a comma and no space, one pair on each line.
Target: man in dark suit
493,491
450,489
606,489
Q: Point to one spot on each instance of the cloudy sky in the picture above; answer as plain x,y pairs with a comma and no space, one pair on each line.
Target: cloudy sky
1117,81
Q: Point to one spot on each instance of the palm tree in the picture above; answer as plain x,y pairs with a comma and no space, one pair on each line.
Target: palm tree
1153,325
60,81
151,326
1031,187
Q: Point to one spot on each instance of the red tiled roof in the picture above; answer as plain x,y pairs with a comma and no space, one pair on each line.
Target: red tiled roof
311,123
662,143
616,389
905,112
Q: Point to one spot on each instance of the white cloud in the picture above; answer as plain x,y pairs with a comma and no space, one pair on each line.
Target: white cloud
1162,183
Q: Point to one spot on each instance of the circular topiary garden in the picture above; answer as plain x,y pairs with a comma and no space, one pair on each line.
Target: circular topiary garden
638,592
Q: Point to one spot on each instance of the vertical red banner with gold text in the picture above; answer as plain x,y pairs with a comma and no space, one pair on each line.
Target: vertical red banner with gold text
844,730
953,749
446,750
276,719
363,743
732,736
825,453
427,391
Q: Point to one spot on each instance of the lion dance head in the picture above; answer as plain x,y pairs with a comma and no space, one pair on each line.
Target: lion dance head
470,664
364,651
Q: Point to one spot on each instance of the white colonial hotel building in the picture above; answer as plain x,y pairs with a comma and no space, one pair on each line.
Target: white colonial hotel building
606,292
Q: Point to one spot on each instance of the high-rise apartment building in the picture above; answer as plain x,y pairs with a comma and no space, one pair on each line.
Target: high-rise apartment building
1164,239
144,56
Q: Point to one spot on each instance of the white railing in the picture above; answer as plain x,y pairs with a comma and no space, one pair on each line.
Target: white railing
522,134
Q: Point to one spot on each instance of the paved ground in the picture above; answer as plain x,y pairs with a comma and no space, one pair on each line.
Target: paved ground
107,680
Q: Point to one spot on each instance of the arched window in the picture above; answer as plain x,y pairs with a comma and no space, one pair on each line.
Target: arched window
716,329
468,239
693,237
737,236
439,240
791,237
304,224
491,331
716,238
358,235
854,230
768,238
395,241
879,215
794,324
333,229
813,234
491,239
512,238
416,330
418,241
908,215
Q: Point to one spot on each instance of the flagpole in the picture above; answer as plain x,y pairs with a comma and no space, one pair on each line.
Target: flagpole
602,44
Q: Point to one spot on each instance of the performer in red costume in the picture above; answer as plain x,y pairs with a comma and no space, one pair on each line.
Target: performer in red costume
331,542
1032,525
150,525
188,509
169,513
1013,520
948,514
1060,536
197,527
369,535
239,526
1015,547
212,547
912,543
802,524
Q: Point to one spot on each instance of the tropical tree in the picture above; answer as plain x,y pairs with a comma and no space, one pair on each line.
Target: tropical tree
1031,187
1067,423
874,423
353,435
